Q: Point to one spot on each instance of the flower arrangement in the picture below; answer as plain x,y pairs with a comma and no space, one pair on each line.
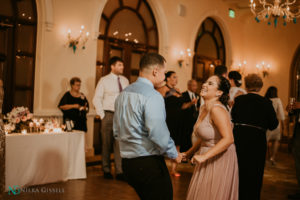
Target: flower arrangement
17,120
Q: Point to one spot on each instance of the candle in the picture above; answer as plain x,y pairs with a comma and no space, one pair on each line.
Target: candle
24,131
38,126
30,127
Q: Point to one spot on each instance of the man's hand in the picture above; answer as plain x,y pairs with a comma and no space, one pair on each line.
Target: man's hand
179,158
194,101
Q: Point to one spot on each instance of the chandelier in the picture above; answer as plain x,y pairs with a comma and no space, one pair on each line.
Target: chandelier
273,10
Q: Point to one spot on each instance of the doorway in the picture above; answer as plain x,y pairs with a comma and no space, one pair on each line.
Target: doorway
129,41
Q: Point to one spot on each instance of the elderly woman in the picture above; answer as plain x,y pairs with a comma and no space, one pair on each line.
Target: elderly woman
252,115
74,105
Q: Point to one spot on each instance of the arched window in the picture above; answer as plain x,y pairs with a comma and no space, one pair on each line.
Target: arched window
128,30
295,76
209,50
18,22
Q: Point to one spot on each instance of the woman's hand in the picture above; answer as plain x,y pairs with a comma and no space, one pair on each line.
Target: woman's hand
199,159
184,156
194,101
76,106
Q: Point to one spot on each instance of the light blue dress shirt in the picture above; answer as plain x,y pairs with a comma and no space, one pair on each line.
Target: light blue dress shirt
140,122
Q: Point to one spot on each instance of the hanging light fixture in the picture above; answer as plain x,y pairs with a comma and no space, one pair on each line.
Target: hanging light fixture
273,10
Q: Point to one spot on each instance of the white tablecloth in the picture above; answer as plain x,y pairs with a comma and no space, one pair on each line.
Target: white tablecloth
34,159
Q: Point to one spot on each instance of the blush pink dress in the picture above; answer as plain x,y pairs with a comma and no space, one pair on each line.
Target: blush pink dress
216,178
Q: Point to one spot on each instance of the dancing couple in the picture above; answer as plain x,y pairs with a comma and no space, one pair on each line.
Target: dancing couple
140,128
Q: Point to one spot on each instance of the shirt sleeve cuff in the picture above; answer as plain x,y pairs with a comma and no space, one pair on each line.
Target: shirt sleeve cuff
172,155
102,115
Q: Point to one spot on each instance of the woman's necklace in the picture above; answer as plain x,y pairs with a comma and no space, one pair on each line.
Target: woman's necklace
169,86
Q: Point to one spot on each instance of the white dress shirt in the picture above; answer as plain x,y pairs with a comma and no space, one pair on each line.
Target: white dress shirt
106,93
191,94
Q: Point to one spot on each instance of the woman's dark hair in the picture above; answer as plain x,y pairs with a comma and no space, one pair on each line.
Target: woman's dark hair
169,74
224,86
220,70
74,79
236,77
271,92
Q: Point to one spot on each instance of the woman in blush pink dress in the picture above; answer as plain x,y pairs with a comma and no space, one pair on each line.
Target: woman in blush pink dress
216,173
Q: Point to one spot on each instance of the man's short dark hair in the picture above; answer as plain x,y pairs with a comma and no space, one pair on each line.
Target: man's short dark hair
74,80
114,60
151,59
220,70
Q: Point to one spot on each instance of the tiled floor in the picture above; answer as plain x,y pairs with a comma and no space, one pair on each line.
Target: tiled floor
278,182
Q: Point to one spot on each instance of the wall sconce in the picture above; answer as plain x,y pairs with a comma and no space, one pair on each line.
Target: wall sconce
74,42
241,67
263,68
184,57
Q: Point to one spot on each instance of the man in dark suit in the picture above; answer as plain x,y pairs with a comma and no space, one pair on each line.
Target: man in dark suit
190,110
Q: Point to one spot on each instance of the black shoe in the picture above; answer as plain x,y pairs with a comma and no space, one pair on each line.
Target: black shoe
107,175
294,196
120,177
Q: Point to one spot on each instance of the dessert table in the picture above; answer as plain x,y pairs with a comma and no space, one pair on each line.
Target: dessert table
40,158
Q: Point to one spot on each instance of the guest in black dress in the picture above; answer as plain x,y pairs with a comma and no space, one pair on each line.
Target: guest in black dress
173,104
252,115
75,106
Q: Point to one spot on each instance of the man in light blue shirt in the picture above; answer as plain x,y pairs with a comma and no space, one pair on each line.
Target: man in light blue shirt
140,128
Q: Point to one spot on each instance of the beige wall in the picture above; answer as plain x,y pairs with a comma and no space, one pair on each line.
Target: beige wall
244,40
56,63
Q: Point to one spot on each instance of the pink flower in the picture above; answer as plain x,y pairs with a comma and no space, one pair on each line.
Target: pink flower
18,120
29,115
24,118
